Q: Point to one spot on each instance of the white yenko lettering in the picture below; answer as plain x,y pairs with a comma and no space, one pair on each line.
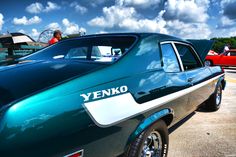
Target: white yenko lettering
104,93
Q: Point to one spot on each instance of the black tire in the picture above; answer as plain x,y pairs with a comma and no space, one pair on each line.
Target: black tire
147,138
208,63
213,103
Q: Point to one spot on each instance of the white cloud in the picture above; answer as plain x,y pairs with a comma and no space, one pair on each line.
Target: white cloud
227,15
188,30
79,8
225,21
1,21
127,18
145,25
138,3
113,16
25,21
187,11
71,28
66,27
53,26
51,6
35,33
224,32
22,31
36,8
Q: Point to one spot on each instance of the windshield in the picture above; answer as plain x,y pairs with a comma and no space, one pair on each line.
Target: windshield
98,49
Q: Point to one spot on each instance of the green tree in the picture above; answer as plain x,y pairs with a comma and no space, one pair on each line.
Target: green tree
221,42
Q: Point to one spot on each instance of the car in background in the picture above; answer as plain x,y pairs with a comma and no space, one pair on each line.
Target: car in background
211,52
104,95
228,58
16,45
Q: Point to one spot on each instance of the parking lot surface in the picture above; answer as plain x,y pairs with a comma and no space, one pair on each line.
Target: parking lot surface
209,134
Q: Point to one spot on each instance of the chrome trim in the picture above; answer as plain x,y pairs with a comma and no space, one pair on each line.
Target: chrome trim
176,53
183,43
178,56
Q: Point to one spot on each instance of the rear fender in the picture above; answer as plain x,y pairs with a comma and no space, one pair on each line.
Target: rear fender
149,121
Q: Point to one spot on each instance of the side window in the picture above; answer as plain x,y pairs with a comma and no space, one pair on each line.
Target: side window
78,53
189,60
231,54
169,58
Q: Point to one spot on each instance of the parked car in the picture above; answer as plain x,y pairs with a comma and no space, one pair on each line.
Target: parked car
104,95
228,58
16,45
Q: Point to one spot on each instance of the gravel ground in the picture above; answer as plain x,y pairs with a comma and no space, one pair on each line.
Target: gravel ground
209,134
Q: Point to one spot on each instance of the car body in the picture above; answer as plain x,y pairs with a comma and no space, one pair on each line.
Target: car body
104,95
228,58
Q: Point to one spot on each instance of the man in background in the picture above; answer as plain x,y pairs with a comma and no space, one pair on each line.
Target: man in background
56,37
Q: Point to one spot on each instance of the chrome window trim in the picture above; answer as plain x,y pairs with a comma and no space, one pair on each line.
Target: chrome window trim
178,56
176,52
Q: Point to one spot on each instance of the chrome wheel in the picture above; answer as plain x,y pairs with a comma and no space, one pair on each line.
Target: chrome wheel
218,96
152,145
207,63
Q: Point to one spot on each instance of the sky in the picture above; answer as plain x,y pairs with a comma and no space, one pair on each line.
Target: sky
182,18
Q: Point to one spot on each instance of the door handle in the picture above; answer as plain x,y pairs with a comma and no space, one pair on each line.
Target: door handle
190,79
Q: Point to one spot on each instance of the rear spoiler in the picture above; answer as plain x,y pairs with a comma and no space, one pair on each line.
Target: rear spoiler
202,47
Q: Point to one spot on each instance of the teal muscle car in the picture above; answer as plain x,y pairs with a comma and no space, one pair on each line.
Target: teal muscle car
104,95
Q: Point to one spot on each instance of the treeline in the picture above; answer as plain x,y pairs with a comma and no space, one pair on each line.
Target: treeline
221,42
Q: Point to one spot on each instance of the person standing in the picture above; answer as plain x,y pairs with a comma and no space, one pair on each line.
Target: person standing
56,37
226,48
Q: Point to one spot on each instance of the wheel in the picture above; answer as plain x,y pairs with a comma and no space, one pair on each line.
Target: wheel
208,63
152,142
213,103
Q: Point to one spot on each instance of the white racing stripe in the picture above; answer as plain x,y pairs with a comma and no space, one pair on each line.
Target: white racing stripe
110,111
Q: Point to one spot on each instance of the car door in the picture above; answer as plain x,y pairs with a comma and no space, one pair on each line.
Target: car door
196,73
228,58
177,80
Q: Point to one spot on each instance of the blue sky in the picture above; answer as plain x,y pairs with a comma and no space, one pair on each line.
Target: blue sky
182,18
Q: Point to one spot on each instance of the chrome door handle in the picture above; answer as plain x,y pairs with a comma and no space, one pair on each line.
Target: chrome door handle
190,79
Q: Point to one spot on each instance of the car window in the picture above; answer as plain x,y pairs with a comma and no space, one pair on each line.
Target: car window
189,59
79,52
99,49
231,53
169,58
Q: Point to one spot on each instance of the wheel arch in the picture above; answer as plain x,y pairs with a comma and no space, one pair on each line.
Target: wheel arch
166,115
210,60
223,82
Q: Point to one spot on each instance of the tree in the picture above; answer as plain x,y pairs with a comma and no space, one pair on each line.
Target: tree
221,42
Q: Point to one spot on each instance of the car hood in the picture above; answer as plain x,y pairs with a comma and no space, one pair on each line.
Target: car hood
28,77
202,47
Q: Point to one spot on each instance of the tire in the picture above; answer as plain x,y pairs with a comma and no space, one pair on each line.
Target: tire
154,137
213,103
208,63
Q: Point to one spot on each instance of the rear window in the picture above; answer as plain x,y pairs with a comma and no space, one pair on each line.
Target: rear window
189,60
96,49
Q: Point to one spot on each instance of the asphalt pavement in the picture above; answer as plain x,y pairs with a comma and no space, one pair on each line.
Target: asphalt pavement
209,134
